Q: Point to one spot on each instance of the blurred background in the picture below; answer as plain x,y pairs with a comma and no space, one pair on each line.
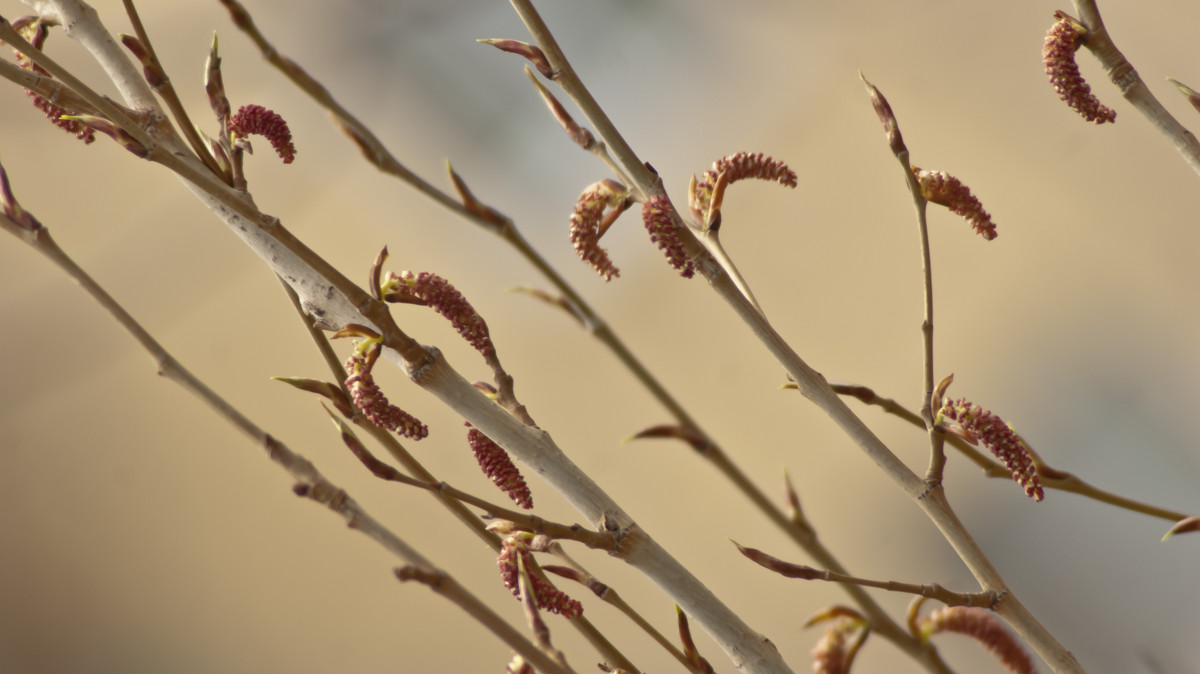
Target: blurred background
140,533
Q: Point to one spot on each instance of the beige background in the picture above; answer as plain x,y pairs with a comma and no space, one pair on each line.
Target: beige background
139,533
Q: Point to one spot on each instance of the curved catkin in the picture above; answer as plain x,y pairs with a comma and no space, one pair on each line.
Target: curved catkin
1058,55
586,224
945,190
257,120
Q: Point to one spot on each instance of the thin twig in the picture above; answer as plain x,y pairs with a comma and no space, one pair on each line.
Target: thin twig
937,454
1050,478
934,591
368,143
48,88
574,131
167,92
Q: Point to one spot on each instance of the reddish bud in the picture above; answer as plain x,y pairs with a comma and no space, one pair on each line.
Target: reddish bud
694,438
532,52
579,135
785,569
12,209
597,588
256,120
488,216
1186,525
154,75
698,663
1058,54
329,391
891,128
214,84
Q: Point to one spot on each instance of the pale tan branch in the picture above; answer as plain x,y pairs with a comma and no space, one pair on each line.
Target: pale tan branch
1132,87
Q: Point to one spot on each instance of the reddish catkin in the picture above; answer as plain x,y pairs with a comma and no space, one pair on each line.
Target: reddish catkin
499,467
257,120
1058,55
34,31
656,215
440,295
737,167
369,398
946,190
585,224
983,626
545,594
999,438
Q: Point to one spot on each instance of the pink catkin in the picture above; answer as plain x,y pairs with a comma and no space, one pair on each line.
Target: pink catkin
585,225
545,595
656,215
257,120
499,467
737,167
946,190
369,398
1000,439
34,30
985,627
441,296
1058,55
